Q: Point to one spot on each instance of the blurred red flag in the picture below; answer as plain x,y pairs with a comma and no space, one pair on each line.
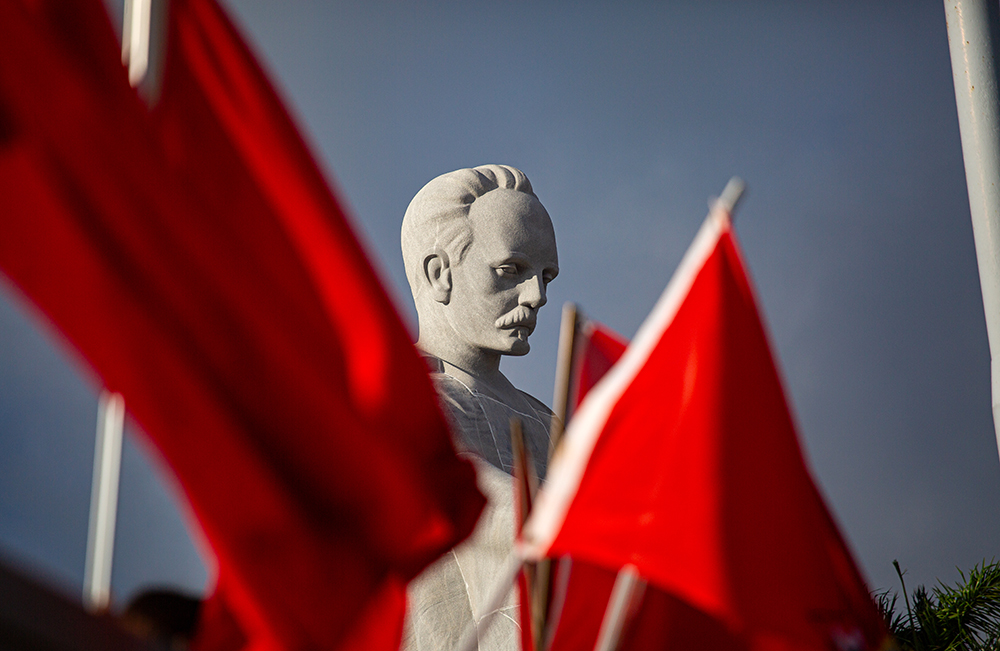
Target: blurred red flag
596,348
195,257
684,462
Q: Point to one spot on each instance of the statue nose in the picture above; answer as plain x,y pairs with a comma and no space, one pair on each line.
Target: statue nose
533,292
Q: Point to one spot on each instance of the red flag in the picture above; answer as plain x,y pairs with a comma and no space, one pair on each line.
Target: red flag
596,348
196,259
684,462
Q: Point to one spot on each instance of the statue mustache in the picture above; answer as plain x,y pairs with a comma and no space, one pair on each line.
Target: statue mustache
519,316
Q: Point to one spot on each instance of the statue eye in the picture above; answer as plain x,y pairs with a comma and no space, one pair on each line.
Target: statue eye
507,270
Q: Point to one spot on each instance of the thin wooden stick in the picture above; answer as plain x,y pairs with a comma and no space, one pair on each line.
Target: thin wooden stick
540,601
526,481
628,586
524,471
103,502
564,369
560,410
556,598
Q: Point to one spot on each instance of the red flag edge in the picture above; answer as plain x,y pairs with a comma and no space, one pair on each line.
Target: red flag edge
570,461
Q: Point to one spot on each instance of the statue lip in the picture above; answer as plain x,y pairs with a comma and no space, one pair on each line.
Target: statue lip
528,327
519,317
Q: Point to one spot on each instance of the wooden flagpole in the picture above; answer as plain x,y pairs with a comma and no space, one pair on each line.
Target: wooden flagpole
625,595
564,370
540,585
136,19
103,502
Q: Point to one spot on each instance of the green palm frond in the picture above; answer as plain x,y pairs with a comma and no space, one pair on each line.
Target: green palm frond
965,617
885,601
969,613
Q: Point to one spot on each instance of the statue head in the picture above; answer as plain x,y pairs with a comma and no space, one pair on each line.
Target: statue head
479,252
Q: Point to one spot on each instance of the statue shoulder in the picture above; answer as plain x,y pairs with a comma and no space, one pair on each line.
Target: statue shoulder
536,404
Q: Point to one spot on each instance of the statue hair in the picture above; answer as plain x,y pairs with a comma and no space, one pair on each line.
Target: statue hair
438,216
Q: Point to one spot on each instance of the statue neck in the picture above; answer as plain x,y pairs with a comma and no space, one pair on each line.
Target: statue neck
475,367
477,362
479,373
442,342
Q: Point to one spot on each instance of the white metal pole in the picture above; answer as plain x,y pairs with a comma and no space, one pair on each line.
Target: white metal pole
104,502
973,37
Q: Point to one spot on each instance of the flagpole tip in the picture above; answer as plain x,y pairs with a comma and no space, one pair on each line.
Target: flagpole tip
732,193
730,196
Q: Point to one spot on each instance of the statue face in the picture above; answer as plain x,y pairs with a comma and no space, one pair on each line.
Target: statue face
500,284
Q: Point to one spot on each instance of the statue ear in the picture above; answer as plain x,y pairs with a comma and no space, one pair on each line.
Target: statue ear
437,271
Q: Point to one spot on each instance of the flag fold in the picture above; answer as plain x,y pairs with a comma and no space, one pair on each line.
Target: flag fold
684,462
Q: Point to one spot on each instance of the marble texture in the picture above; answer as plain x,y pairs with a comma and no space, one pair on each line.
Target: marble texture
479,251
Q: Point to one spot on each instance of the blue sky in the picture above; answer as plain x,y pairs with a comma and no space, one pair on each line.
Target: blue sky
627,117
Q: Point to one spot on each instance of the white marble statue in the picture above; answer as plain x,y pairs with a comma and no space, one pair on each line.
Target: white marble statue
479,251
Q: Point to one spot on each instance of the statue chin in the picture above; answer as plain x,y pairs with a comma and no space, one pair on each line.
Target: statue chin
519,348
